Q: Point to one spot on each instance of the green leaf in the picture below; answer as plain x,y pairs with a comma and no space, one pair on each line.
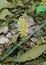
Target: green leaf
40,9
32,53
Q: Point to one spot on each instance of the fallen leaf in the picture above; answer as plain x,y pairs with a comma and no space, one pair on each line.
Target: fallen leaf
5,4
4,13
32,53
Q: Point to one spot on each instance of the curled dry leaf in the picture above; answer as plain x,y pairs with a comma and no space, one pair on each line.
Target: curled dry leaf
4,30
4,40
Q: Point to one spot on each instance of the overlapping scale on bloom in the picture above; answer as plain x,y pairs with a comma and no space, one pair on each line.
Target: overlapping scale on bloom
22,28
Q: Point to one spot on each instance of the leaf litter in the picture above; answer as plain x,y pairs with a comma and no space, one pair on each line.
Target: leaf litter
22,32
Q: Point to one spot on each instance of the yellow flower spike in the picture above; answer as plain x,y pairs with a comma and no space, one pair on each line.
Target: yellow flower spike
22,27
44,2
